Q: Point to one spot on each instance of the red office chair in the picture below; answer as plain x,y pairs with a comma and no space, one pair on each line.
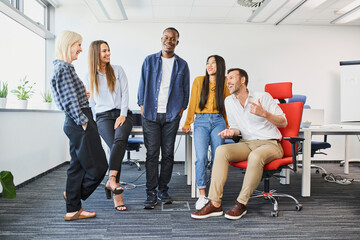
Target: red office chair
293,112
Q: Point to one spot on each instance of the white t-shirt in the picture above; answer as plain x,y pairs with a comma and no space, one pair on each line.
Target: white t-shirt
167,66
253,127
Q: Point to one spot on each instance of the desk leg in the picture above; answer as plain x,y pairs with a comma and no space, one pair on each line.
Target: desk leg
188,162
306,166
194,193
346,162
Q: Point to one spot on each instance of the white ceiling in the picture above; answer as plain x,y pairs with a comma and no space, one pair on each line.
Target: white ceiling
227,11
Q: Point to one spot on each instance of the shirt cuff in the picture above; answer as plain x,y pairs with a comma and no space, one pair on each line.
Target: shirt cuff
82,119
124,112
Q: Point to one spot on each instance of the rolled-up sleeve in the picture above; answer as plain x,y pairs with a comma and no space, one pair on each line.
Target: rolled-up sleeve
124,92
186,85
141,88
66,96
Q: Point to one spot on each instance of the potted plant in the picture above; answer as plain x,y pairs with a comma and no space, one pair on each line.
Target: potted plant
23,92
47,99
3,94
7,182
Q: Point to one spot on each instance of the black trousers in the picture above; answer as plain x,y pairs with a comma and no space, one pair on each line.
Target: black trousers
115,139
159,135
88,162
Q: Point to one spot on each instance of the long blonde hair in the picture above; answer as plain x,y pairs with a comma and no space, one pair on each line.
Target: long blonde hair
94,64
63,44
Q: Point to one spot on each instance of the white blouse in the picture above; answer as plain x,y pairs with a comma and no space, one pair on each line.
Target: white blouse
106,100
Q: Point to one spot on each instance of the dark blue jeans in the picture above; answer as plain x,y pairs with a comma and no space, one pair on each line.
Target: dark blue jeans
115,139
159,135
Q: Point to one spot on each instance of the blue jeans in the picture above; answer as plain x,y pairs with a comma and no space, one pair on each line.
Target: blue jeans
159,135
206,129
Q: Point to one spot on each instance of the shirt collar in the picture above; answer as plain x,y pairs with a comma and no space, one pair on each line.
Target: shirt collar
58,61
250,97
158,55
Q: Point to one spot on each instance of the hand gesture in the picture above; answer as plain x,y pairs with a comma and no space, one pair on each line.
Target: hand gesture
119,121
227,133
87,93
257,109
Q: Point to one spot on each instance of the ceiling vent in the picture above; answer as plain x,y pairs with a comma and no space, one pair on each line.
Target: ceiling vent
250,3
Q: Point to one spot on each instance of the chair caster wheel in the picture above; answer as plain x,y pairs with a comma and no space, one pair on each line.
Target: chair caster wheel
317,171
274,213
323,175
298,207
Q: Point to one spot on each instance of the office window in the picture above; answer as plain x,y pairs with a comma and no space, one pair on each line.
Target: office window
22,54
35,10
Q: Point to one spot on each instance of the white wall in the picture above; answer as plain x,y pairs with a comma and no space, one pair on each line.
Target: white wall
31,142
308,56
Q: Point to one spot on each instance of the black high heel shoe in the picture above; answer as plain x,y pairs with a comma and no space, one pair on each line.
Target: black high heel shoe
115,191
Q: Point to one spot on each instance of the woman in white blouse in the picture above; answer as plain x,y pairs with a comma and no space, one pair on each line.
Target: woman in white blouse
109,98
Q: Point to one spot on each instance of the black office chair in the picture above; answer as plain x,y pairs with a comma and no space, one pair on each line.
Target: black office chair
316,146
134,143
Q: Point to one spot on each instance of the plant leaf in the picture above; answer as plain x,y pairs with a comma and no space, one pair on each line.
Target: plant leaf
7,182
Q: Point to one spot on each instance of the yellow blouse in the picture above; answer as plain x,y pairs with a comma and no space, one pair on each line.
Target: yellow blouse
210,106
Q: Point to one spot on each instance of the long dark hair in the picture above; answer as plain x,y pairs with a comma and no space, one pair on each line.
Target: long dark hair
220,81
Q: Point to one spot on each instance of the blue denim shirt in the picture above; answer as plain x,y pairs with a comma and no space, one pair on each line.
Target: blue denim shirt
149,87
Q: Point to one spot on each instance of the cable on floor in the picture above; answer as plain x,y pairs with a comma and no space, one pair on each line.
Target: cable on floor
131,185
338,179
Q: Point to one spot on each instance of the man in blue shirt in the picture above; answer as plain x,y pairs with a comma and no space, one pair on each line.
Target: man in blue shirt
163,95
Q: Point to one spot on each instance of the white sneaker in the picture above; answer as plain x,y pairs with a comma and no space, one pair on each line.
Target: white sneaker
201,202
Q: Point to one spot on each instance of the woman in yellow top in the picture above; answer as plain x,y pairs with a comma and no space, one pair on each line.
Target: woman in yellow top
207,103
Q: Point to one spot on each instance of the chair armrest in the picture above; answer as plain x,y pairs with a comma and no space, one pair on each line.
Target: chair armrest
294,141
237,138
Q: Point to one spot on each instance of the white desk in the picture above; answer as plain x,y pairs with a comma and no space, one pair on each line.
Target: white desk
189,156
322,130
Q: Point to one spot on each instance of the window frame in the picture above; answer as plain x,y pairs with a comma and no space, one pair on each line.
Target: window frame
14,9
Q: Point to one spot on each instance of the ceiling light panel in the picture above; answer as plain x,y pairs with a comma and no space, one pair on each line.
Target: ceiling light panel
348,17
349,7
114,9
107,10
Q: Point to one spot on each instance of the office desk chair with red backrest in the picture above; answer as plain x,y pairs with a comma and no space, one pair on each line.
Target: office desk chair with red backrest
293,113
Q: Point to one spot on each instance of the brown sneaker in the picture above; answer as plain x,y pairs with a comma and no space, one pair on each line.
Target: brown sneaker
236,211
209,210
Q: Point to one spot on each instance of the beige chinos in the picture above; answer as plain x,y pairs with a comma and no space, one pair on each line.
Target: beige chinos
257,152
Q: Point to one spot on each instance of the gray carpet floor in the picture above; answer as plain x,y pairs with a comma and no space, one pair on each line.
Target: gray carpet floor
332,212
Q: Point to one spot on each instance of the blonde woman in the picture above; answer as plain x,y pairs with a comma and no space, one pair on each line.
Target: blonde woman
109,98
207,107
88,162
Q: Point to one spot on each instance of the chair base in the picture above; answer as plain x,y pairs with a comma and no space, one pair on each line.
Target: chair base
317,169
272,195
134,162
350,161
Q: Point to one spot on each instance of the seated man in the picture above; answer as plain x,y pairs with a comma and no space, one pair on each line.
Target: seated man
257,117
